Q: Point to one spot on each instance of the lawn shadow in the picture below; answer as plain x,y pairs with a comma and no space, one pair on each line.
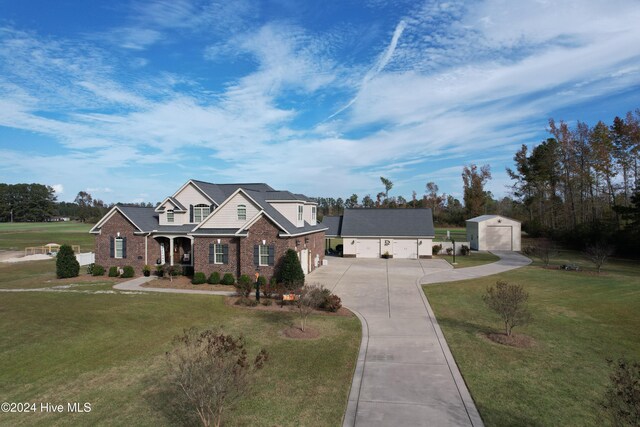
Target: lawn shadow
464,325
164,398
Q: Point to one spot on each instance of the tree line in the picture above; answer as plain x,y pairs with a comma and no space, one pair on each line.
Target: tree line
38,202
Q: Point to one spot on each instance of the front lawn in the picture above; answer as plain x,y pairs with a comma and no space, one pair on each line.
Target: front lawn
16,236
108,349
580,320
474,259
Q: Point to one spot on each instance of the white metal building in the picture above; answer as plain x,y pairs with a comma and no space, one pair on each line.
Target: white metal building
494,232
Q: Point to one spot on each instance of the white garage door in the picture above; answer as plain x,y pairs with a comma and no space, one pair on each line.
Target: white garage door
499,238
406,248
368,248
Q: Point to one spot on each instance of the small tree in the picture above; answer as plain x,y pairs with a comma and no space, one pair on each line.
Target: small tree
622,397
290,273
510,302
244,285
544,250
66,263
598,254
211,371
309,299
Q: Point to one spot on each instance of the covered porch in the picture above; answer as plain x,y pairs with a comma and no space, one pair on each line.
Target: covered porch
175,250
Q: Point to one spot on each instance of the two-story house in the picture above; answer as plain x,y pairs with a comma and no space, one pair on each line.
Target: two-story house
228,228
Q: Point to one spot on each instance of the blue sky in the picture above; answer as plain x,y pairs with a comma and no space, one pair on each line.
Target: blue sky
129,99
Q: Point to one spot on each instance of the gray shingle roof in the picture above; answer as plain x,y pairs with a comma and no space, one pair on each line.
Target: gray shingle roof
146,219
387,222
334,223
177,204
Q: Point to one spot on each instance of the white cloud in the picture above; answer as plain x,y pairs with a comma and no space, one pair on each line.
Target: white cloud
58,188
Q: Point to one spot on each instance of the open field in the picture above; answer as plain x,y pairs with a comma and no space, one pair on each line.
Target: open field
108,349
18,235
472,260
457,233
580,319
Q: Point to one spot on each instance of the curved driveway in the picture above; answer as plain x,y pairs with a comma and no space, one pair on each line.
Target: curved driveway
405,374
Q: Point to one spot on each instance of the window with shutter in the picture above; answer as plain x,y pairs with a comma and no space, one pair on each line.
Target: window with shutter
119,247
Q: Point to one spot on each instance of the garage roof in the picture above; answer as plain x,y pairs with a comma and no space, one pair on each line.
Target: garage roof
387,223
488,217
334,224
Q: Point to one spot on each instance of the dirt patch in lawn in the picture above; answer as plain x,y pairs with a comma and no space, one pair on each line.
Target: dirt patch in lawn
275,306
294,332
183,282
515,340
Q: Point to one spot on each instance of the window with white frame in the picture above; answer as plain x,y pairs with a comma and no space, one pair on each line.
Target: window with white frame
200,212
119,245
300,212
242,212
313,213
170,216
218,254
264,255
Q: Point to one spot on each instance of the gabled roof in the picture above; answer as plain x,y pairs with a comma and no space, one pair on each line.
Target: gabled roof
387,222
174,202
334,224
144,219
488,217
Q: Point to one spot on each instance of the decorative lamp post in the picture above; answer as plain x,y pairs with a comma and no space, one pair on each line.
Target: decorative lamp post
258,284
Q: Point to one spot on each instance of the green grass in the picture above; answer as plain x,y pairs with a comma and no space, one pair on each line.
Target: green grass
108,349
579,320
18,235
472,260
459,234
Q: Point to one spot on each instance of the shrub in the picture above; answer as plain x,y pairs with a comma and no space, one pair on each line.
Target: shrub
160,270
622,397
598,254
175,270
146,270
510,302
66,263
244,285
332,304
464,250
90,268
214,278
270,289
199,278
97,270
267,302
449,251
228,279
246,302
308,300
326,300
113,271
435,250
209,372
290,273
128,271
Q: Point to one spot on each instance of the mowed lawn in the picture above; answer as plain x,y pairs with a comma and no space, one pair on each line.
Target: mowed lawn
457,233
108,349
474,259
580,320
18,235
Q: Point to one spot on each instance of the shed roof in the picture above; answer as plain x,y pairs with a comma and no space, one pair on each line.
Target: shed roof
482,218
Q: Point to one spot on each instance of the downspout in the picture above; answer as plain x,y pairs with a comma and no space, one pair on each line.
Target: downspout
146,239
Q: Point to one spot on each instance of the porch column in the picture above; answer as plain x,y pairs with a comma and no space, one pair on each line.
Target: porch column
192,251
171,251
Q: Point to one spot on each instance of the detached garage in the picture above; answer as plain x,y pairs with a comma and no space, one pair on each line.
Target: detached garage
494,233
392,233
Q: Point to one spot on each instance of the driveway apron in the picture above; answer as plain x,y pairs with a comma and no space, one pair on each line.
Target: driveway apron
406,375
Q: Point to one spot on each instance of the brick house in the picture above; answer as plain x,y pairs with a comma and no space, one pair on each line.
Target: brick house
228,228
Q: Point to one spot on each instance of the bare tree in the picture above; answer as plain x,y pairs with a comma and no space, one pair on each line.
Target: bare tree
309,299
543,249
510,302
598,254
211,371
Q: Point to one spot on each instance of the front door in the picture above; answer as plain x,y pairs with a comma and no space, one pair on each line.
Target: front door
304,260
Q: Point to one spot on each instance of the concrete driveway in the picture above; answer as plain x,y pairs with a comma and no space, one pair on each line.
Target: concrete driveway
406,375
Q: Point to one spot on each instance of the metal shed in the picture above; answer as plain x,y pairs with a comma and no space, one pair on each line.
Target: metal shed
494,232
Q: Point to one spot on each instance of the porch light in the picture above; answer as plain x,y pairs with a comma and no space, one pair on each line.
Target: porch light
218,241
118,234
419,242
264,242
353,242
306,240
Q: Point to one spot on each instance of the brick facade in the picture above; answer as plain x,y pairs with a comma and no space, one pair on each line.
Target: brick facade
241,250
135,245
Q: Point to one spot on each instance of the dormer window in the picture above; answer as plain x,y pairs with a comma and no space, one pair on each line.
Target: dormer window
170,215
313,213
300,213
200,212
242,212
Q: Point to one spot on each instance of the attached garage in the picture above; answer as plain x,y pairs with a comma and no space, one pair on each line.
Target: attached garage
373,233
494,232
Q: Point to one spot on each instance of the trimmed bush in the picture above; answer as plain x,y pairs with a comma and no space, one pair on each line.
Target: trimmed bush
332,304
266,302
449,251
244,285
146,271
97,270
113,271
66,263
290,273
228,279
128,271
214,278
326,300
435,250
246,302
464,250
199,278
90,268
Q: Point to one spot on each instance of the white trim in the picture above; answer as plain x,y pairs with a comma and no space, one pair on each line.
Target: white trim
304,232
115,247
168,199
215,235
260,264
385,237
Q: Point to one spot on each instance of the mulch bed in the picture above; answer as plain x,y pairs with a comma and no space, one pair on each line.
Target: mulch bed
183,282
515,340
275,306
294,332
